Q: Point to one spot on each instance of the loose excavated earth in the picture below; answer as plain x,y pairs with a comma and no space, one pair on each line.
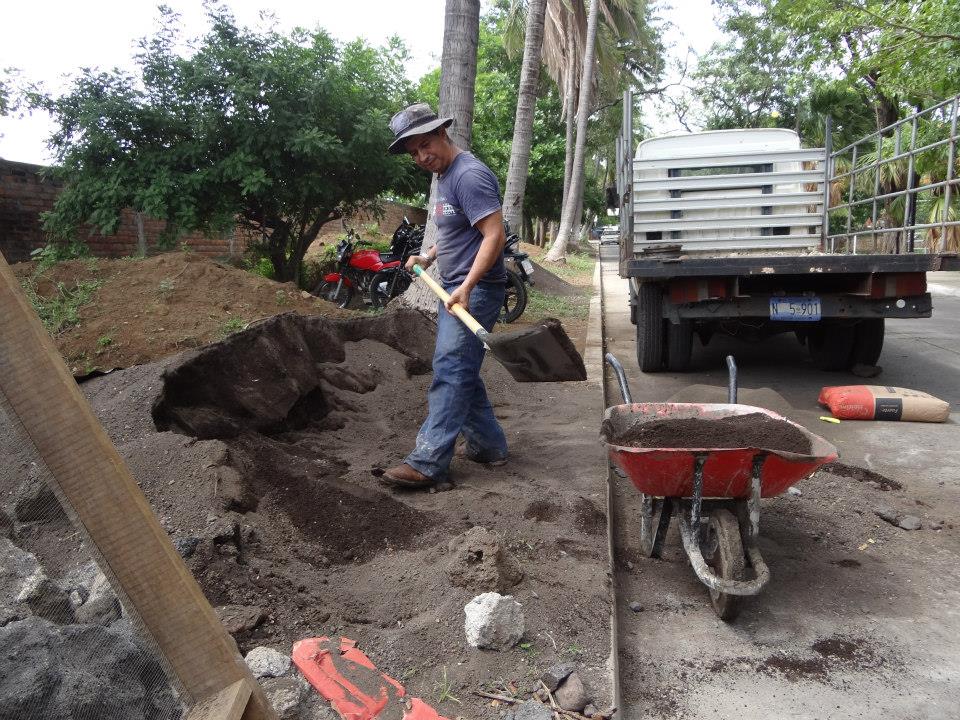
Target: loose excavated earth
256,453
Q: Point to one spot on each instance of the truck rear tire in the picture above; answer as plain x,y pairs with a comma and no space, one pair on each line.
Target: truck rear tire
868,341
831,345
679,345
650,327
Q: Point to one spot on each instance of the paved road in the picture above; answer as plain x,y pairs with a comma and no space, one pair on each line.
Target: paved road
860,618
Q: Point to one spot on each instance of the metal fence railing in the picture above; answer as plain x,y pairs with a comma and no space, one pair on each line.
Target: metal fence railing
895,191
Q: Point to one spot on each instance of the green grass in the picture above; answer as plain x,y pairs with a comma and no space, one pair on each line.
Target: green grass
577,264
230,326
542,305
62,309
444,689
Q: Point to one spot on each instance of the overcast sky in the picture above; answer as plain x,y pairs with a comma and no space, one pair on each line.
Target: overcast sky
49,40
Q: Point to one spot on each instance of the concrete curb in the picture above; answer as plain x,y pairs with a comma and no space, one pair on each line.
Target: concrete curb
593,352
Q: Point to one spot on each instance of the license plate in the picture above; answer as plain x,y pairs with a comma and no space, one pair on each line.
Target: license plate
795,309
527,266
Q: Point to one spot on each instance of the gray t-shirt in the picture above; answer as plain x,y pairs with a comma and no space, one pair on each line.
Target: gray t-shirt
466,193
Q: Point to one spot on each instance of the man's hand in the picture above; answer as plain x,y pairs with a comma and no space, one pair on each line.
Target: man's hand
421,260
460,295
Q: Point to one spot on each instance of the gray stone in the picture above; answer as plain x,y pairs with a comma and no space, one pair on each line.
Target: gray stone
885,512
493,621
224,530
72,671
7,526
35,501
481,562
552,677
591,710
186,546
285,696
636,607
102,606
532,710
910,522
795,491
26,590
80,580
572,695
240,618
267,662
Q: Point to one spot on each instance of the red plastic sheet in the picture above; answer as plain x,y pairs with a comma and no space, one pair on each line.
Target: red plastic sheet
345,676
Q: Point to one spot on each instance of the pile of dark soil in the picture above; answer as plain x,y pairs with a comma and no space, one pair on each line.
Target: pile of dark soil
256,453
754,430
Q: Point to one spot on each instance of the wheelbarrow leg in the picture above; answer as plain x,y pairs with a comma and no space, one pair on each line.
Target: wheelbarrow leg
653,528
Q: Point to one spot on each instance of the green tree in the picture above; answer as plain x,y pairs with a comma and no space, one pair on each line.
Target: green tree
279,133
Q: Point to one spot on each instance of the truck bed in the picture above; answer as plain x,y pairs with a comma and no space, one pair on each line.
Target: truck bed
691,266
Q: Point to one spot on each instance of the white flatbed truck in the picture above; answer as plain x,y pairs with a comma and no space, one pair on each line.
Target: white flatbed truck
729,232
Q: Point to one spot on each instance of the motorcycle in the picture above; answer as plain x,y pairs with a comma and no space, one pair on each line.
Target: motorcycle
394,279
358,269
515,299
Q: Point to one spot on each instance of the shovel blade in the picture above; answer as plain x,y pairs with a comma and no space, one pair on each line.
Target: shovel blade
542,353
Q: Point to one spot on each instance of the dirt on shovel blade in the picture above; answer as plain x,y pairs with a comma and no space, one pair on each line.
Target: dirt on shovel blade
542,353
754,430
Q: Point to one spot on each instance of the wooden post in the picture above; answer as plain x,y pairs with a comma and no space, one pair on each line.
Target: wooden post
91,477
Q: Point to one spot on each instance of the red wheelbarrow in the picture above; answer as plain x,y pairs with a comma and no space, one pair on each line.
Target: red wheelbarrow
715,492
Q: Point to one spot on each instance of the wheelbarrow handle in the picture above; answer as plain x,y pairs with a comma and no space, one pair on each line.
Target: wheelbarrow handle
732,380
621,377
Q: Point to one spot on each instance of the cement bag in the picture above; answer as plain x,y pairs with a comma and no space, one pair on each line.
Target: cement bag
877,402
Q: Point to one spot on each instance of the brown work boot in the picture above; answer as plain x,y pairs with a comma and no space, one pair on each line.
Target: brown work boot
404,476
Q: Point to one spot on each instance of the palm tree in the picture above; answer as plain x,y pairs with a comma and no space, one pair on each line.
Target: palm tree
523,124
575,193
458,76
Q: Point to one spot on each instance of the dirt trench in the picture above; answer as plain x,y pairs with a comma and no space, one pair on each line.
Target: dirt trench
257,454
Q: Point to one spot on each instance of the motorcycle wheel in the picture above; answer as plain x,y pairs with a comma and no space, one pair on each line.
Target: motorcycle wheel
514,300
328,292
380,292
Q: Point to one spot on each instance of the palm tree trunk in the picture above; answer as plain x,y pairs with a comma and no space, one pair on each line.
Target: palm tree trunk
569,109
523,124
575,195
458,76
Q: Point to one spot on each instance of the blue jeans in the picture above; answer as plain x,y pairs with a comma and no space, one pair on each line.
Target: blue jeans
457,398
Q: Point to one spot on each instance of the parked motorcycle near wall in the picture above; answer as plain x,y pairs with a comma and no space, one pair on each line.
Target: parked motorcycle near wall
358,268
518,277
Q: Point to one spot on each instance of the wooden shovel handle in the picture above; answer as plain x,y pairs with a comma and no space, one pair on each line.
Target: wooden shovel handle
457,308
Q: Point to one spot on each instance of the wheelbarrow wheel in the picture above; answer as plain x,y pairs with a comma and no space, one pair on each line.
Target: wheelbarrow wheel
727,561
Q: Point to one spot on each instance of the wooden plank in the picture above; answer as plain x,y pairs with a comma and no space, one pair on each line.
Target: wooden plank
124,533
228,704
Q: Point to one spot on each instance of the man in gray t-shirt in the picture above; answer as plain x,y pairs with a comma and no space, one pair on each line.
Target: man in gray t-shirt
469,249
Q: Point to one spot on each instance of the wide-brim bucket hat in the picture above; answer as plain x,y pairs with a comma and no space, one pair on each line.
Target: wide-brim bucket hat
417,119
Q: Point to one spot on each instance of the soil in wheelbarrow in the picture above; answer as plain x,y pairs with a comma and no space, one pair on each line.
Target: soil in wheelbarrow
754,430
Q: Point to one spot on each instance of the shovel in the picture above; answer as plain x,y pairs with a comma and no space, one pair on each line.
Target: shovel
542,353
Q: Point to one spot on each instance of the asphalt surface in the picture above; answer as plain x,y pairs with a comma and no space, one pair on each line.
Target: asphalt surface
860,617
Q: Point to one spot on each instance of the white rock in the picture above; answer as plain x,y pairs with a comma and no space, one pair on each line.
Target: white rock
267,662
285,695
795,491
493,621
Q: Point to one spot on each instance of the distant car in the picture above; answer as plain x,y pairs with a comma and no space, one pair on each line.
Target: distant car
610,234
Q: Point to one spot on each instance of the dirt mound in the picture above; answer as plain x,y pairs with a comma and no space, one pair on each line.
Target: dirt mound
481,563
754,430
148,309
256,454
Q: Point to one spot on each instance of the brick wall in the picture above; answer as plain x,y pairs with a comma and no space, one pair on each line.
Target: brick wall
25,194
